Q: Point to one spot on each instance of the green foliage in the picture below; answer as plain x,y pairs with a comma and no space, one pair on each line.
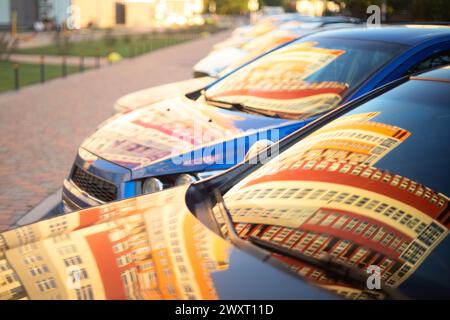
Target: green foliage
125,45
358,8
418,10
275,3
62,43
109,38
231,6
435,10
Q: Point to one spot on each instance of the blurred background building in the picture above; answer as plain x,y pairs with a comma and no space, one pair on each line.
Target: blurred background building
163,13
101,13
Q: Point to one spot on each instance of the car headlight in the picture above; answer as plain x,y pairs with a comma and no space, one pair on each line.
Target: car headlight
152,185
183,179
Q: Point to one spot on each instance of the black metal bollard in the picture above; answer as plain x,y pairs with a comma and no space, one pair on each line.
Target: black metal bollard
16,67
166,40
97,58
152,40
169,38
110,50
81,63
64,66
42,68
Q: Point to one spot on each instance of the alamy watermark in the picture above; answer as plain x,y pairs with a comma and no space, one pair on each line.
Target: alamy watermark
374,279
73,21
74,276
374,19
210,146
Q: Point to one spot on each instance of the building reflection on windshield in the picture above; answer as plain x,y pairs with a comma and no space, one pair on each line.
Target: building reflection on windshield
280,82
326,197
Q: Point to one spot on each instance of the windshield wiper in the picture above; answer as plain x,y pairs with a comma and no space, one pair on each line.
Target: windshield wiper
334,269
240,107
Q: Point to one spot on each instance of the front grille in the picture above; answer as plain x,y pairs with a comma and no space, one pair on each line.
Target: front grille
94,186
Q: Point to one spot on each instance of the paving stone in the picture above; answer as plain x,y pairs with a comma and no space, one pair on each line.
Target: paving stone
41,126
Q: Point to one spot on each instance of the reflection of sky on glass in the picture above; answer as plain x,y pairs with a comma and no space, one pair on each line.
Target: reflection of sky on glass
421,107
246,278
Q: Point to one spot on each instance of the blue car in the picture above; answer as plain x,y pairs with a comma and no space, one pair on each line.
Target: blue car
187,138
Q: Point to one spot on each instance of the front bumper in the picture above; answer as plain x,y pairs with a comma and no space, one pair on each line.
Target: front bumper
76,197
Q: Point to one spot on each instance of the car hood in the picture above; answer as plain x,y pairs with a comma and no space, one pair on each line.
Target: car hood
151,95
215,62
180,133
148,247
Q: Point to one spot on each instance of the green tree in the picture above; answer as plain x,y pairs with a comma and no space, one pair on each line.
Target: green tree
276,3
358,8
231,6
430,10
416,10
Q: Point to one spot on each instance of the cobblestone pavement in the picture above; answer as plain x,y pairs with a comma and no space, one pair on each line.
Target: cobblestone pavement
42,125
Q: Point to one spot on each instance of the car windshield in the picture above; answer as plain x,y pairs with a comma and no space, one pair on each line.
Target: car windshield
369,189
305,78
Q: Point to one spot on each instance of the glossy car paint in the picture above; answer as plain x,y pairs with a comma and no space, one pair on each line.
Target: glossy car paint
211,268
178,257
156,94
159,123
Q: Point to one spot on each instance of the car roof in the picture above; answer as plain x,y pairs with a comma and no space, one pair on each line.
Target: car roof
404,34
440,74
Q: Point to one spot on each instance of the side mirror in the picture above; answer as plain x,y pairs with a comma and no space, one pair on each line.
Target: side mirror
257,147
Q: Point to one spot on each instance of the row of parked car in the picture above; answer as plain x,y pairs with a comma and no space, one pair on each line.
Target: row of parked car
307,155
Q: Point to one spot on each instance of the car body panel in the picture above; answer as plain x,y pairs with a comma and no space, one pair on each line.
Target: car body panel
120,145
151,95
120,176
153,247
376,169
228,136
408,35
171,127
213,64
123,250
440,74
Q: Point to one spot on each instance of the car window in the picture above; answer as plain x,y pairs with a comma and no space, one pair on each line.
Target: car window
305,78
369,189
434,61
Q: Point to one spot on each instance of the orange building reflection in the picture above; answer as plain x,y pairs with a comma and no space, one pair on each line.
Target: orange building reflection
142,137
279,82
127,250
325,197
